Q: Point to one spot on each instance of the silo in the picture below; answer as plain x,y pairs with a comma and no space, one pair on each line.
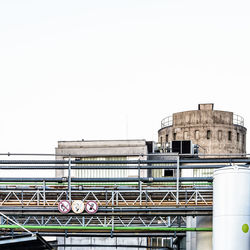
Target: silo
231,208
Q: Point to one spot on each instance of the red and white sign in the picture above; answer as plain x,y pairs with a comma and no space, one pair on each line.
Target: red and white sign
91,207
64,206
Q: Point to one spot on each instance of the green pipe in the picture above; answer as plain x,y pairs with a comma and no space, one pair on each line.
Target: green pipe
204,229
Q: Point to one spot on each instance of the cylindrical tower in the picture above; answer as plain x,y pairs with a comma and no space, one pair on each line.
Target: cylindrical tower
216,132
231,209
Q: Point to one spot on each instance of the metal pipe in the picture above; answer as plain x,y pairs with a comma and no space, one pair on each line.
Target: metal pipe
51,188
95,246
69,181
115,209
182,229
8,167
103,155
177,180
190,160
105,234
132,179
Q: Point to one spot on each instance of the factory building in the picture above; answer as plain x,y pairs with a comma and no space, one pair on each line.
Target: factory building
215,133
102,150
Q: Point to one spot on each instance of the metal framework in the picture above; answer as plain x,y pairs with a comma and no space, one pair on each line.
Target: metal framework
131,204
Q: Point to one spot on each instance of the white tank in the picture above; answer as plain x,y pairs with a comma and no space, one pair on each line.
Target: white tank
231,209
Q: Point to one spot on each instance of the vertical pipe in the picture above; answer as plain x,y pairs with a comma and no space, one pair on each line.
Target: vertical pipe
22,198
139,180
177,180
69,180
44,194
113,225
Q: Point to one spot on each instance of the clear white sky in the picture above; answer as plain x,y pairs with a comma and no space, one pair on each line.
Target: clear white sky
111,69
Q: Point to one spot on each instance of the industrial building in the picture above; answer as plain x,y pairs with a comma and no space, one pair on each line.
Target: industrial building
211,132
101,150
145,195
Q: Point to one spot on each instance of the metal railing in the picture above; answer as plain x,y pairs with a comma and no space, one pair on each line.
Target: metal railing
238,120
167,121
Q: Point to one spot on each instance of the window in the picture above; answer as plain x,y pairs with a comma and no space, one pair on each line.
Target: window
229,135
219,135
197,135
161,140
243,139
185,135
168,173
174,136
238,136
209,134
166,138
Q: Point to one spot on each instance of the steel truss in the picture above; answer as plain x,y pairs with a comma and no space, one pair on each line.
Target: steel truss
96,220
108,198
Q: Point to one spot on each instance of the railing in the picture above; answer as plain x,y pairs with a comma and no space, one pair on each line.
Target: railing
167,121
238,120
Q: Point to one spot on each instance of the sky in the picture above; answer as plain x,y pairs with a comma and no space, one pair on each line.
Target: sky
73,70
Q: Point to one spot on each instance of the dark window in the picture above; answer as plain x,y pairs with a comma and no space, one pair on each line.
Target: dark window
238,136
166,138
174,136
229,135
243,139
181,147
186,147
176,147
209,134
168,173
161,140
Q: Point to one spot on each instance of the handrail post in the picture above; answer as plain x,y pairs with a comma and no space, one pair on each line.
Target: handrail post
69,180
177,180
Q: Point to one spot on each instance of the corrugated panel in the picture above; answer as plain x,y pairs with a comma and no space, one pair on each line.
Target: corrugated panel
101,173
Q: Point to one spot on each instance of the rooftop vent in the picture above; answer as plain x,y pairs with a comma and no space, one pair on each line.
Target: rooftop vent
206,106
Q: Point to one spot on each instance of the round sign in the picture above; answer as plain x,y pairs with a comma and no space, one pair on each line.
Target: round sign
91,207
77,207
64,207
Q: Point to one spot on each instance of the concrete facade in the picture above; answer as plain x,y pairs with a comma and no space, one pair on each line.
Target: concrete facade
216,132
102,148
122,241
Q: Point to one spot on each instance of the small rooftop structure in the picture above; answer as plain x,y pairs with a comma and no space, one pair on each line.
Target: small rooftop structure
206,106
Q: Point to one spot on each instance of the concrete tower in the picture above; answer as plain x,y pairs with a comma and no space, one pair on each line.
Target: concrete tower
216,132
